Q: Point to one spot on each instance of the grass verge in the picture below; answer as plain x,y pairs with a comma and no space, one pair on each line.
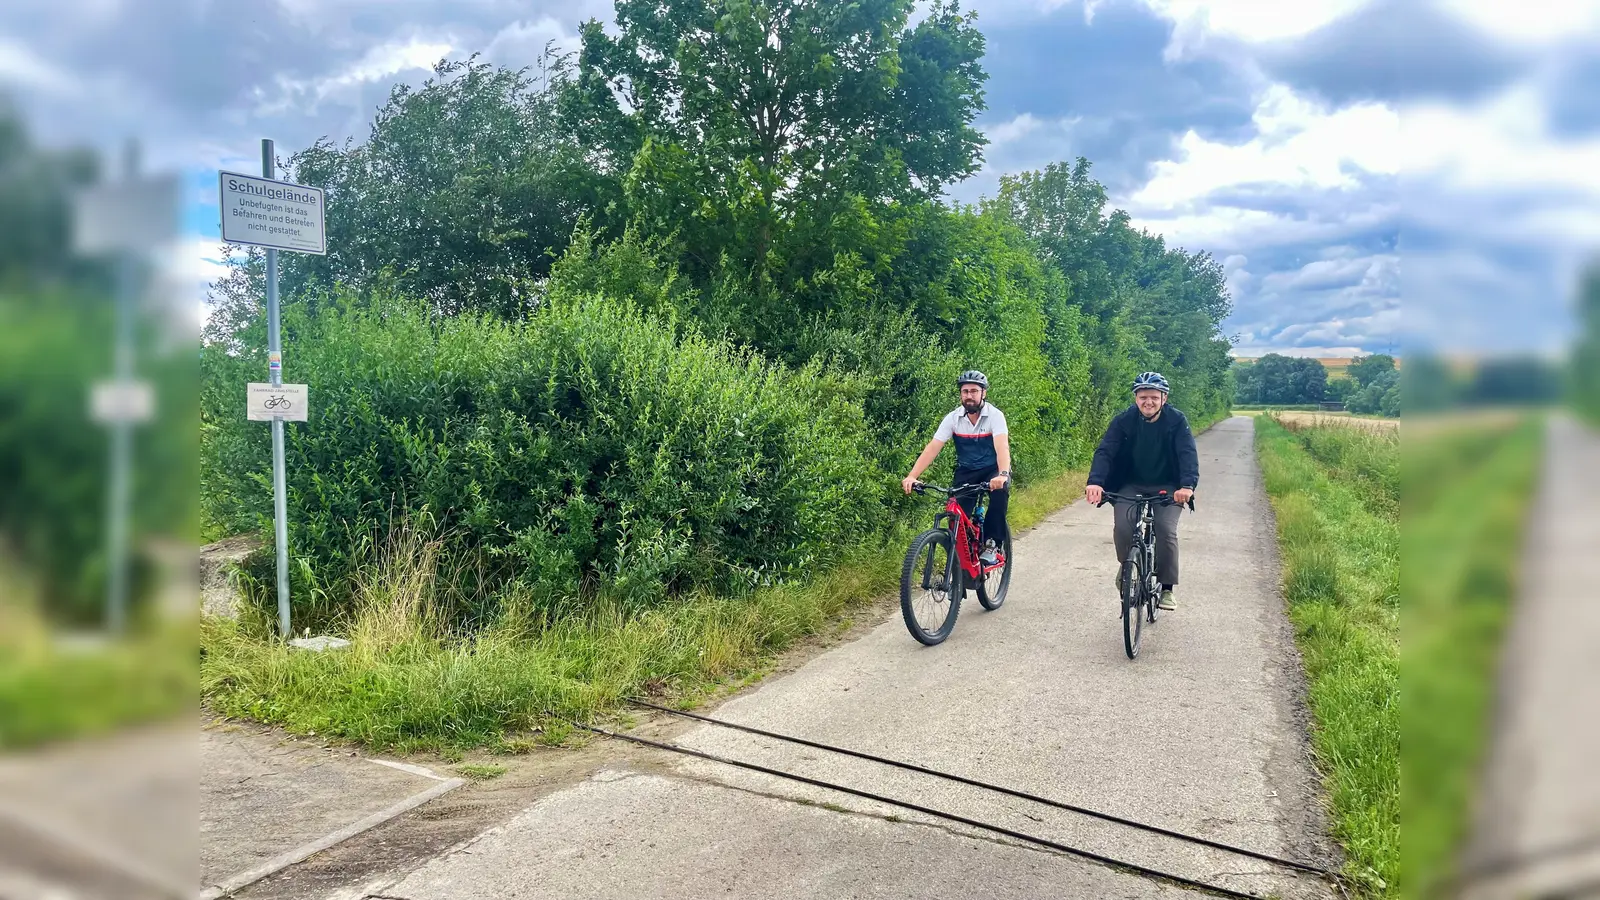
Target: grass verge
52,690
1467,491
1338,529
405,685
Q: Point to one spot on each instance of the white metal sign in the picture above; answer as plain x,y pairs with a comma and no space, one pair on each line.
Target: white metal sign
290,402
124,401
275,214
128,215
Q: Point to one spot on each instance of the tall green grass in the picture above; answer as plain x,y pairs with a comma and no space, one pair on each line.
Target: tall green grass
409,682
54,690
1467,491
1337,507
412,681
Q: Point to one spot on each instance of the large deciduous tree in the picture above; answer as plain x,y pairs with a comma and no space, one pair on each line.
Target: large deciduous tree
464,191
1276,379
1148,306
1367,369
735,118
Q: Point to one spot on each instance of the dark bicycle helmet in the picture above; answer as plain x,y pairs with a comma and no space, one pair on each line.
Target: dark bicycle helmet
1151,380
973,376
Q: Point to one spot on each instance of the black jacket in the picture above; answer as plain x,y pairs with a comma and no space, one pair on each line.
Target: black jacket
1112,458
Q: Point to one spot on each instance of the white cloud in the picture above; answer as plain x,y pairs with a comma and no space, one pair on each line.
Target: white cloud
1255,20
1371,274
1237,276
1496,177
1503,144
1529,21
522,43
1008,132
1023,143
1197,23
183,275
1227,229
226,157
379,63
21,66
1299,144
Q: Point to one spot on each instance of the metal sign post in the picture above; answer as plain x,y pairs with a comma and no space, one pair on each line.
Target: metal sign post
121,221
280,491
277,215
121,452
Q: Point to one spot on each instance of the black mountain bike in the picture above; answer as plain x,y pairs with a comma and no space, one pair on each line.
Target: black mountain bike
942,564
1137,580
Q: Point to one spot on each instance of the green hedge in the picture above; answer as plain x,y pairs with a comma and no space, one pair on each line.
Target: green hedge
588,446
615,443
55,459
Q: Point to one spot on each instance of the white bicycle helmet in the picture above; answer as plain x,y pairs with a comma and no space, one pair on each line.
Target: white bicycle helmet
1151,380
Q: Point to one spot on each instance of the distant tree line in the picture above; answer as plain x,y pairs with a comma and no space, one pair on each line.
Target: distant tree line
1371,384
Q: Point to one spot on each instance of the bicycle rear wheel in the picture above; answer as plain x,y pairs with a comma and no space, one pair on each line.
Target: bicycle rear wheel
1132,611
930,587
993,585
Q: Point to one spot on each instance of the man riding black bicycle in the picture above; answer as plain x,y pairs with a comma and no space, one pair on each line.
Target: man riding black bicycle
1148,448
983,456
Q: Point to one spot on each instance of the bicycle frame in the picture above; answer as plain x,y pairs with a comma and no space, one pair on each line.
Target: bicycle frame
1144,528
966,534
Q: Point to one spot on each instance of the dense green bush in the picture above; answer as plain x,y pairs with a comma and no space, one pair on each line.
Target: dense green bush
586,446
55,460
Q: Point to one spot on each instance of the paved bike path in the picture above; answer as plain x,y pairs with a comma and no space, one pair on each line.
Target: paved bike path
1201,734
1539,810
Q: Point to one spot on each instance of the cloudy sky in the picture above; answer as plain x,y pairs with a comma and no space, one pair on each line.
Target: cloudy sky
1320,149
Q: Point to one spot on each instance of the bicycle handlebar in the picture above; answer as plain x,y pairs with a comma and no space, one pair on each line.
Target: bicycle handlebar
921,488
1160,499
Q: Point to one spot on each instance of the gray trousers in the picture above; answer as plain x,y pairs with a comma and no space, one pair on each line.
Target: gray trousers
1166,522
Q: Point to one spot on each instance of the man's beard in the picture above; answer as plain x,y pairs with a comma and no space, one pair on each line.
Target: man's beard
972,406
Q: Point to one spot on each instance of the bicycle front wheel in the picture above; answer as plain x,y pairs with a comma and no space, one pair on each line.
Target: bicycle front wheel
1132,606
930,587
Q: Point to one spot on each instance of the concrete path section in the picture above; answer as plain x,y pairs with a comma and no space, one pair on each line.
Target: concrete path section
107,818
1203,733
269,801
1538,818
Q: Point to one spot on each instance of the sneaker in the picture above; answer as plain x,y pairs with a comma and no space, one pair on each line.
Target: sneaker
1165,601
988,557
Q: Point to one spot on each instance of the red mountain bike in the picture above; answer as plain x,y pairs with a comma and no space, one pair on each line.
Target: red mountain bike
942,565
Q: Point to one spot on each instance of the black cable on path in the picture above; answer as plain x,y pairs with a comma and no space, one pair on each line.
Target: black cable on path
1085,854
911,767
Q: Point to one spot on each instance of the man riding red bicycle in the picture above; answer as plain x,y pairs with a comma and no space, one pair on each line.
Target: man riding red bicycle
983,456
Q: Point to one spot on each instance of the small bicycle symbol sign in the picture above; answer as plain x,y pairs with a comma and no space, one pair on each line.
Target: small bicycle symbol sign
279,402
